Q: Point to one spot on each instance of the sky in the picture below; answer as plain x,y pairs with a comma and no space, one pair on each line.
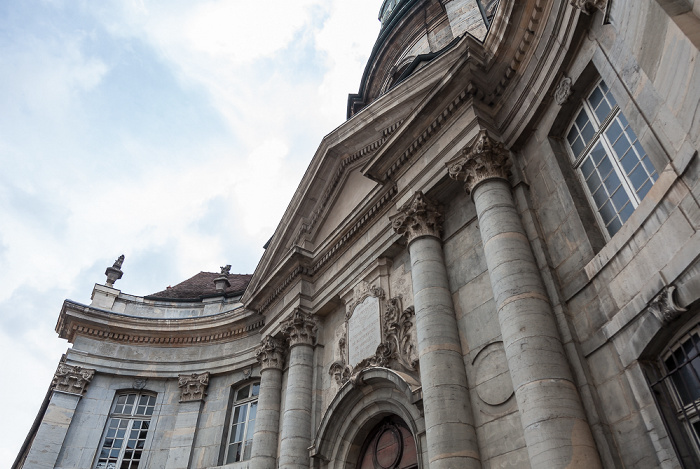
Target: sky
174,132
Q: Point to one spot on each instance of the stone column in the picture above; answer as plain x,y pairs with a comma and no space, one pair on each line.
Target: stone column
448,420
555,427
69,384
300,330
193,389
270,354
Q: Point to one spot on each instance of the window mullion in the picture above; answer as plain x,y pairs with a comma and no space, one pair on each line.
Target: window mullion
619,170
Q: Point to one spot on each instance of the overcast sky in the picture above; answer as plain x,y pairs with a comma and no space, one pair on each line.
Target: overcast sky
174,132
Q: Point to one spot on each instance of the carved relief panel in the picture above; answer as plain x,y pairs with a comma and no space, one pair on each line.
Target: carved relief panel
377,332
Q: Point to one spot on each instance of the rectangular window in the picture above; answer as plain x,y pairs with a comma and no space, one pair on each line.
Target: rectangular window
240,436
614,168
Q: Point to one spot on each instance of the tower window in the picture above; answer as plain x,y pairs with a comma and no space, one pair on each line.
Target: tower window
242,427
609,159
125,435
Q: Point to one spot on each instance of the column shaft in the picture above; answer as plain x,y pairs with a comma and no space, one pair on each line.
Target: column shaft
296,422
52,431
264,453
448,420
555,427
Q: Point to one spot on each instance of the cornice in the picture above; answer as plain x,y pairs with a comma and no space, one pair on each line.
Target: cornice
333,250
78,319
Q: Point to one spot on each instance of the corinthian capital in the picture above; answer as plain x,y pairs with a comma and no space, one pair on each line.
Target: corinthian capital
193,387
270,354
72,379
300,328
587,6
420,216
484,159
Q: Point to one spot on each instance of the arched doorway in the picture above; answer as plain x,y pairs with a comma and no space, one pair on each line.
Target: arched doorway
390,445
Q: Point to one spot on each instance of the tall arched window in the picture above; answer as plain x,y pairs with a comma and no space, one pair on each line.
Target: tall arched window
125,435
242,423
675,382
614,168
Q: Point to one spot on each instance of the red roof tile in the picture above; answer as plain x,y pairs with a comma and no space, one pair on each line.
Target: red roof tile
201,285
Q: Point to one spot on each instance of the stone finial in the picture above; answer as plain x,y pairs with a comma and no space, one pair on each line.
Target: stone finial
221,281
193,387
270,354
300,328
418,217
664,307
563,91
114,273
587,6
483,160
72,379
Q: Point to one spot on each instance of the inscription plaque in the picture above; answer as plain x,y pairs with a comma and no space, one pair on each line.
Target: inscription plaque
364,330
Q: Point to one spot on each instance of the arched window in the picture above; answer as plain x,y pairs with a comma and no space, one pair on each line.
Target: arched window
125,435
242,423
675,383
614,168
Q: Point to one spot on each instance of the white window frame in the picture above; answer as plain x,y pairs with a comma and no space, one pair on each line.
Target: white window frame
242,422
599,140
120,427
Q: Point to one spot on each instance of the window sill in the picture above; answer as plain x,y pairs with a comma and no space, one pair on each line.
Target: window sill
233,465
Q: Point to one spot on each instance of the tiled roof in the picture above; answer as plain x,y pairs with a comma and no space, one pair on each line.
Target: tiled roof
201,285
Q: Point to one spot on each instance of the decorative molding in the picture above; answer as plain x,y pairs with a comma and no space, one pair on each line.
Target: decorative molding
420,216
664,307
470,91
139,383
300,328
397,349
86,321
114,273
589,6
563,91
296,272
71,379
270,354
193,387
325,198
483,160
360,294
398,335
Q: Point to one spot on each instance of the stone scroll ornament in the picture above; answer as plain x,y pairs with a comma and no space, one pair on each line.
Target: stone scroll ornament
418,217
72,379
270,354
664,307
397,349
484,159
300,328
588,6
193,387
563,91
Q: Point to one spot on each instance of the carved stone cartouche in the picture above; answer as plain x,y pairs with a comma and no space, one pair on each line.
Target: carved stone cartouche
563,91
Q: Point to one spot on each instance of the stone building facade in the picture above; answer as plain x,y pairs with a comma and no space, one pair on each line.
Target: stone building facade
492,263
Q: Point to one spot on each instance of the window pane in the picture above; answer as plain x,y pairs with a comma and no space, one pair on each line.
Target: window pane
607,212
602,111
581,119
596,97
614,226
620,198
626,212
587,133
234,453
243,393
256,389
614,131
593,182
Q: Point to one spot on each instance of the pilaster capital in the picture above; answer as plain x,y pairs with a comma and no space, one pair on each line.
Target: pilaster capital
300,328
270,353
587,6
193,387
418,217
482,160
72,379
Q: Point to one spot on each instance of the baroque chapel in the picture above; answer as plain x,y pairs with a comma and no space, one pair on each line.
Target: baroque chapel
493,263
